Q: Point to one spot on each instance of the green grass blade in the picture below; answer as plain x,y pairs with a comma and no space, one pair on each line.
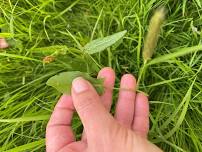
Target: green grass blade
199,3
67,9
164,82
54,49
139,39
6,35
96,24
19,57
28,146
185,102
25,119
177,53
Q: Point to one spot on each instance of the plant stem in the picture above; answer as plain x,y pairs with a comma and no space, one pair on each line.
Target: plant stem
142,71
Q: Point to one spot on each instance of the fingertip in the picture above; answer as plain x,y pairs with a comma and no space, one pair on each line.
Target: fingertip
143,95
142,103
109,75
109,79
3,43
128,81
80,85
106,70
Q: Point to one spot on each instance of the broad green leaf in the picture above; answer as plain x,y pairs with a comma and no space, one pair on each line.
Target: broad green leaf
101,44
63,81
178,53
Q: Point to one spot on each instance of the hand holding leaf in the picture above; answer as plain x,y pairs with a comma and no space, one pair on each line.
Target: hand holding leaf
63,81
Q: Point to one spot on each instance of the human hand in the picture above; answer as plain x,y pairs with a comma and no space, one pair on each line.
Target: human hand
125,132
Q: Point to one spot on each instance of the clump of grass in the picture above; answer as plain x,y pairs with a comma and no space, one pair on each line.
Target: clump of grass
38,29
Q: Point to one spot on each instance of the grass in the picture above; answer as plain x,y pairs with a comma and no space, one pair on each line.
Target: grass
36,29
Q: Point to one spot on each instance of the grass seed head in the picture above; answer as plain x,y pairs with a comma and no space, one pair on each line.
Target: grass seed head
153,33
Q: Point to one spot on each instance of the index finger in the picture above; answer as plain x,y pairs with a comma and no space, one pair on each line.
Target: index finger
59,132
109,79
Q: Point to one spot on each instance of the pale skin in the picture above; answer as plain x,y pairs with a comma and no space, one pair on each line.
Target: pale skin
3,43
126,131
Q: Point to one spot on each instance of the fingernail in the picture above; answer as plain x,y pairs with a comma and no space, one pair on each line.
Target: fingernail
80,85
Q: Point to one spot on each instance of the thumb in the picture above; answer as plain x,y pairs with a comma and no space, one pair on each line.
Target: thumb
89,107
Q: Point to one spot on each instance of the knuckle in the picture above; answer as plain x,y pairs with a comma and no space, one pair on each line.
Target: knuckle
86,104
129,96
